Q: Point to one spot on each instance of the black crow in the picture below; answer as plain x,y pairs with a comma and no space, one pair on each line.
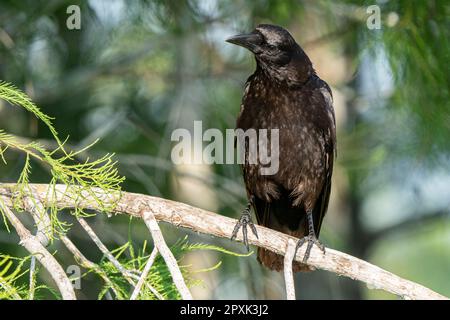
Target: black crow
285,93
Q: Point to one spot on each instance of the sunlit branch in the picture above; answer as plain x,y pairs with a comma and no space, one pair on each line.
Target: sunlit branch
183,215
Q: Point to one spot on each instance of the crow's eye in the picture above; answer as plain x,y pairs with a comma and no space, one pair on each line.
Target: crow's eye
271,46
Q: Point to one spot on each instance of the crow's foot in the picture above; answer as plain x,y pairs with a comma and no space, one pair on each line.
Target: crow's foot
244,221
310,239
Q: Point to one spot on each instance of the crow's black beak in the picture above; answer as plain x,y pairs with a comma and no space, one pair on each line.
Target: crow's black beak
251,41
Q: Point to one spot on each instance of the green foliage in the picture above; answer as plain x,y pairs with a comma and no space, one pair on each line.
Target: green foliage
100,173
11,270
14,273
16,97
414,37
159,277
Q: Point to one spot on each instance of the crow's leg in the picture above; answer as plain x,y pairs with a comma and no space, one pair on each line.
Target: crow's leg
310,238
245,220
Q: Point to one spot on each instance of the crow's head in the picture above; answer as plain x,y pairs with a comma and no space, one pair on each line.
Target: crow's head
275,51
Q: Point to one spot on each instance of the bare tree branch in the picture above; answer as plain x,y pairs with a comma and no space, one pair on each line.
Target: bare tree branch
32,244
129,276
165,252
182,215
32,286
43,234
126,273
288,274
85,262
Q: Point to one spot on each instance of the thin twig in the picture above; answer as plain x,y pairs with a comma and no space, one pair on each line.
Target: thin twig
43,234
32,244
167,255
126,273
288,274
84,262
32,286
144,275
183,215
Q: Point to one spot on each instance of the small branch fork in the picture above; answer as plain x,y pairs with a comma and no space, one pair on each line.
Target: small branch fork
182,215
34,247
127,274
144,274
167,255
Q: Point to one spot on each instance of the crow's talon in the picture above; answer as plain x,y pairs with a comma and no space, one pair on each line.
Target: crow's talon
311,240
244,220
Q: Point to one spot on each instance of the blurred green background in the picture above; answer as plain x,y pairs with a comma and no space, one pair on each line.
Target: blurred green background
137,70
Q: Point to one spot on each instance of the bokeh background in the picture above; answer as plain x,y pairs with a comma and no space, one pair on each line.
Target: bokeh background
137,70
